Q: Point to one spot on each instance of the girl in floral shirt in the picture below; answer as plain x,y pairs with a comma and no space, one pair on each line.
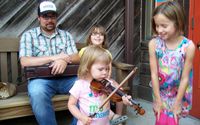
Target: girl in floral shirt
171,57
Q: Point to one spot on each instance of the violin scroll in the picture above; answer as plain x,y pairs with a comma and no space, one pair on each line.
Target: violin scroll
139,109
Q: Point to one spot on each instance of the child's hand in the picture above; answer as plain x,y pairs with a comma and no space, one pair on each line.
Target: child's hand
157,108
125,100
86,120
176,109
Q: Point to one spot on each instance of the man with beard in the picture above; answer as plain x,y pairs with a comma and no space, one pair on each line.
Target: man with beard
42,45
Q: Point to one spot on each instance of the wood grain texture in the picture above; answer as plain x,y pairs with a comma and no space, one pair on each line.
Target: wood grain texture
19,106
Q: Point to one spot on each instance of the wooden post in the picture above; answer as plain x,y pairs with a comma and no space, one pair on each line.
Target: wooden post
129,26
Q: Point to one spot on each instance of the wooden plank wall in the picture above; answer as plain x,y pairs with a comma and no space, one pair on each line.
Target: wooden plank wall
144,91
108,13
77,16
136,47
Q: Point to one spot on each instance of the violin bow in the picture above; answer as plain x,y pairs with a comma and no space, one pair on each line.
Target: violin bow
114,91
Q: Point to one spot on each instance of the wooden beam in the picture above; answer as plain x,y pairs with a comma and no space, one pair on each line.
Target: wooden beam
129,30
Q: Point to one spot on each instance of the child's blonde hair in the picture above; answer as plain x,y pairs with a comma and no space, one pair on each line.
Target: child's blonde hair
97,29
174,12
91,55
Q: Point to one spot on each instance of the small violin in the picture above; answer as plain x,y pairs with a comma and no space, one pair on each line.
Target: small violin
105,87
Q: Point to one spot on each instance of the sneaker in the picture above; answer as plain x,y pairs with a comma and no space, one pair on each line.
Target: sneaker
117,119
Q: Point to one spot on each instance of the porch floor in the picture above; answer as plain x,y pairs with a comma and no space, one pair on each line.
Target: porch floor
149,119
64,118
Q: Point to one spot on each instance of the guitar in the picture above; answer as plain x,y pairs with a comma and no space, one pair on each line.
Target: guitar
44,71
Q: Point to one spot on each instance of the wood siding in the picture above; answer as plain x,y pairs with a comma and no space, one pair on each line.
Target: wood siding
77,17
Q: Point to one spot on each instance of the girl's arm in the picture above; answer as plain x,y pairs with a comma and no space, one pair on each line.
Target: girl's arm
185,75
72,105
154,77
154,69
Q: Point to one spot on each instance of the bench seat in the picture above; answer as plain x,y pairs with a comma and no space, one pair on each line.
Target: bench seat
19,106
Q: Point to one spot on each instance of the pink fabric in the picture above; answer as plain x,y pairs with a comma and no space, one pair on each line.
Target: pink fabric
165,120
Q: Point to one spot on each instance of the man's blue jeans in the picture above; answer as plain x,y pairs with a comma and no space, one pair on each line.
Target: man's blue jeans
41,91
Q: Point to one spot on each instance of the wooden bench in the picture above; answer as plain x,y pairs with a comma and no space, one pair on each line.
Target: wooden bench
10,70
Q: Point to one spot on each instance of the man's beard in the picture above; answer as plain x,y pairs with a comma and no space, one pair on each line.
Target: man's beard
50,27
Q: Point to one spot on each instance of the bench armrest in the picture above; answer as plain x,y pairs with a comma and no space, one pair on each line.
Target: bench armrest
122,66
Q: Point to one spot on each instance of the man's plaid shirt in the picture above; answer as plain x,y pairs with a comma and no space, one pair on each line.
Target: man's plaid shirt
35,43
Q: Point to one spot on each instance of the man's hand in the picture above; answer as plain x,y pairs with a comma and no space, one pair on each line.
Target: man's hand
58,66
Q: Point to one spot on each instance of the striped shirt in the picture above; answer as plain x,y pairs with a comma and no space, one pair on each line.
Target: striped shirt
35,43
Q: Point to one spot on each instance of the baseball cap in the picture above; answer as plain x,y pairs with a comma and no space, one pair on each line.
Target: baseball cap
46,7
